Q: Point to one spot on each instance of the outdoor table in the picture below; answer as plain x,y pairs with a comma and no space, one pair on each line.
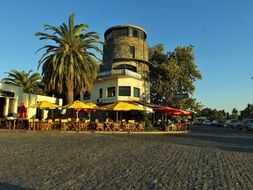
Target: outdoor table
2,122
11,123
22,123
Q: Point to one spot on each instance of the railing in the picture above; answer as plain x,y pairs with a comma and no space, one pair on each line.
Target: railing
120,72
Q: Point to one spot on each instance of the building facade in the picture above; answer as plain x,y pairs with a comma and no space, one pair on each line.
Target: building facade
124,75
11,97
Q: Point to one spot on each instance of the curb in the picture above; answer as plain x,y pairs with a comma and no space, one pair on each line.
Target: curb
100,132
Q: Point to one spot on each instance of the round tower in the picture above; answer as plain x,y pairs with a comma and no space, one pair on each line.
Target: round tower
125,48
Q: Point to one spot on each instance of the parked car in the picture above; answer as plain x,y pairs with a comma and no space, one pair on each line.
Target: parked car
207,123
218,123
233,123
247,124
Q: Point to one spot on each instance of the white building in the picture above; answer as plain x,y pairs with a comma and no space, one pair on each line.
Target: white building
11,96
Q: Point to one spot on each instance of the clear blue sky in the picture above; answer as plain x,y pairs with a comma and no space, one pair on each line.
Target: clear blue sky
220,30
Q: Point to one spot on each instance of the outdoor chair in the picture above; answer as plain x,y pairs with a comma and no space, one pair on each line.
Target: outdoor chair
36,124
99,125
134,126
141,126
108,126
116,126
2,122
49,125
31,124
128,127
84,125
64,124
56,123
173,127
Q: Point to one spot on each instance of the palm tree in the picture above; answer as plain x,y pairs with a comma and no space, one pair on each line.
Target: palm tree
69,66
29,81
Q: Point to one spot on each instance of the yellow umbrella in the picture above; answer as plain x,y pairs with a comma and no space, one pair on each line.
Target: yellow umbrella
78,105
93,105
44,105
122,106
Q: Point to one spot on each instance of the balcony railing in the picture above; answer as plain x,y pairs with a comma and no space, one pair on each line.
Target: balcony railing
119,72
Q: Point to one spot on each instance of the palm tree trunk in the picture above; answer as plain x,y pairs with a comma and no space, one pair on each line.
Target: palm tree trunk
69,96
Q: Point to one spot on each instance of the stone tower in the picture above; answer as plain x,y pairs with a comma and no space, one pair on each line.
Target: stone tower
126,48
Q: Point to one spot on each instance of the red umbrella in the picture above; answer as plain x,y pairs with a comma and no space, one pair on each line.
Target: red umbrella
173,111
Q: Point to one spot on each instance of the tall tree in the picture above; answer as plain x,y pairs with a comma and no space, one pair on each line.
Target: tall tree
69,66
247,112
172,76
28,80
234,113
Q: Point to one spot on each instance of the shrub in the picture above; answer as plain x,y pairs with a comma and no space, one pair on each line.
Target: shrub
149,126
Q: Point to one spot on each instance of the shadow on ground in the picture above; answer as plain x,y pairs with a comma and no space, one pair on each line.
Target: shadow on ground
7,186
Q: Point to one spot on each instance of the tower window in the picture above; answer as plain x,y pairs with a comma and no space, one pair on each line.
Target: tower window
135,33
132,51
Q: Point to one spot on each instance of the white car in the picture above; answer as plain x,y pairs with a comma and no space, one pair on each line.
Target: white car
247,124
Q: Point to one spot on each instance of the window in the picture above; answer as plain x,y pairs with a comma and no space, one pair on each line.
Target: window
135,33
132,51
130,32
111,92
124,91
86,95
100,93
136,92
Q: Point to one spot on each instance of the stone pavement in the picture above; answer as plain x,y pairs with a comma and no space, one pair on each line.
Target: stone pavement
206,158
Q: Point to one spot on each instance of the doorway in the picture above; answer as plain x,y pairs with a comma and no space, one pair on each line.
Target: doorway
2,106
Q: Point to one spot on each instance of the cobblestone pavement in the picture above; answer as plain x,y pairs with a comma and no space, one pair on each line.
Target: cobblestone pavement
206,158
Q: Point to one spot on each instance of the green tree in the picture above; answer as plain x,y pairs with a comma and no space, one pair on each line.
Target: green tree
173,74
70,65
247,112
31,82
234,113
212,114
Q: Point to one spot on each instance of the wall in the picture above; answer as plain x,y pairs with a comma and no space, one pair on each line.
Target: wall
118,81
13,101
118,47
30,99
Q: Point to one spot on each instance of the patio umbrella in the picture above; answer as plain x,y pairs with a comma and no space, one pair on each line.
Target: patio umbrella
94,107
44,105
78,105
122,106
167,110
173,111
